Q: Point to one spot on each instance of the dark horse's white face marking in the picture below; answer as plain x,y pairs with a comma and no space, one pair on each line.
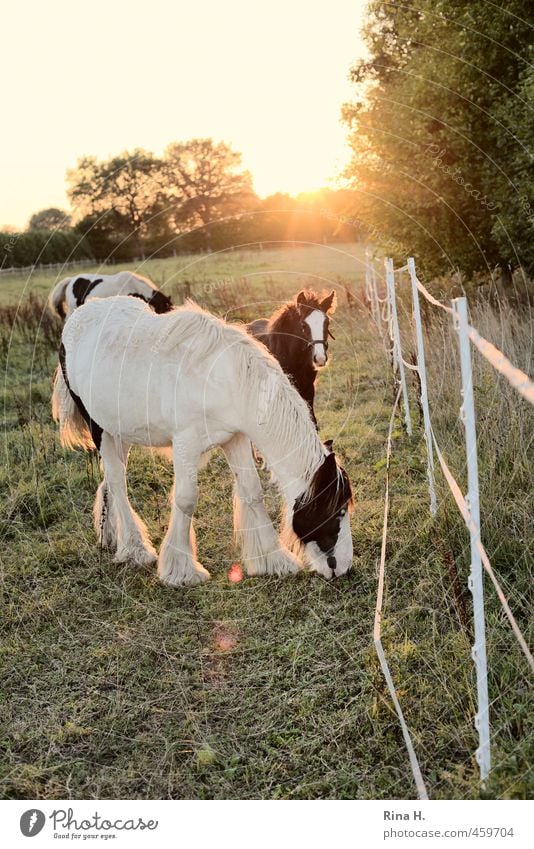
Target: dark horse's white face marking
317,323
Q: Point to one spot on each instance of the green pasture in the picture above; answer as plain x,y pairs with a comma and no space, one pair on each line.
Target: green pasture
114,686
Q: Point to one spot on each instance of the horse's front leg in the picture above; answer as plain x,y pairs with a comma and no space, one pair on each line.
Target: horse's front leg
263,553
177,564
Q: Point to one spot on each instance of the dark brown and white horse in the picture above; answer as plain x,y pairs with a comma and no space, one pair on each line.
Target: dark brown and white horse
297,335
72,292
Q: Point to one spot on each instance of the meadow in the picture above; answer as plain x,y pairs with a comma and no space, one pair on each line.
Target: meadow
114,686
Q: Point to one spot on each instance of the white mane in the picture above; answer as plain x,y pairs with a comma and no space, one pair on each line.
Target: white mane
258,373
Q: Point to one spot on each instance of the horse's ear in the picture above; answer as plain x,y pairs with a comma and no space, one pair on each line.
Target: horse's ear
329,304
301,297
328,443
329,467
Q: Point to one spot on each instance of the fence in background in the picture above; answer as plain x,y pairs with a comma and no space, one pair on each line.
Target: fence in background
64,266
50,266
468,505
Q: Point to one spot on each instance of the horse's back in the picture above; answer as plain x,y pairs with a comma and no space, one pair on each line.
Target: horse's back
82,287
148,376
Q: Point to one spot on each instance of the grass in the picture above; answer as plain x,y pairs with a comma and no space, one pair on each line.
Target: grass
117,687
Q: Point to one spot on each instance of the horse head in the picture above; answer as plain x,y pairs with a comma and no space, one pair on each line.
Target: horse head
321,518
314,312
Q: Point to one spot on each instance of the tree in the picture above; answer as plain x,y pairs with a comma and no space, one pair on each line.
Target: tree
129,186
50,219
432,130
206,183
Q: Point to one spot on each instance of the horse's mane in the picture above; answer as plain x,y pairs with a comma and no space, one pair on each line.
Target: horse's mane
257,372
290,310
283,326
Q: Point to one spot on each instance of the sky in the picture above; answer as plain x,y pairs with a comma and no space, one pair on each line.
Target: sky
267,76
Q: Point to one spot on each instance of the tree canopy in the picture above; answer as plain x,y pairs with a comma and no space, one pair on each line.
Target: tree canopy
197,196
51,218
440,128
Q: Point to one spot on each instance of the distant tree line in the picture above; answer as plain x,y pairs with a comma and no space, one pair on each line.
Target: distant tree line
196,197
441,132
42,246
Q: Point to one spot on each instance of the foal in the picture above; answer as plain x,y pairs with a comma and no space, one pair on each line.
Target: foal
129,376
297,335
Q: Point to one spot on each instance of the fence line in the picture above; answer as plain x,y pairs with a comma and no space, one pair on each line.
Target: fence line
472,500
377,631
430,297
56,266
421,367
398,362
468,505
371,291
463,508
522,383
515,377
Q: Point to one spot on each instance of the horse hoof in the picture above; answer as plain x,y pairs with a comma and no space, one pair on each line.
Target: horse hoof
138,557
279,563
182,573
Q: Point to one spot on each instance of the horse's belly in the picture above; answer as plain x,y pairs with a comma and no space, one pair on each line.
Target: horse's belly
125,402
149,404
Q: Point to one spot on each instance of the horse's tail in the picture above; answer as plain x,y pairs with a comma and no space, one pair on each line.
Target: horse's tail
56,299
73,431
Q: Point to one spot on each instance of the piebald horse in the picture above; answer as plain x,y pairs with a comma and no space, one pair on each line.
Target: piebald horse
297,335
73,292
190,381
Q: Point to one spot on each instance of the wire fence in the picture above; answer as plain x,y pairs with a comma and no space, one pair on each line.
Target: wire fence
64,266
386,316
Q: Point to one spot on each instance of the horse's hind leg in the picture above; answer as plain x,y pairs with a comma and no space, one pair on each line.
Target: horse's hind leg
122,526
263,553
177,564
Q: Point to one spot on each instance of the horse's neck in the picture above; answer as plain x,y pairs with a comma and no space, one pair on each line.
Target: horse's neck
285,341
285,323
286,437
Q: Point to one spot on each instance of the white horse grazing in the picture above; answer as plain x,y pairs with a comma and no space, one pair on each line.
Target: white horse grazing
189,380
72,292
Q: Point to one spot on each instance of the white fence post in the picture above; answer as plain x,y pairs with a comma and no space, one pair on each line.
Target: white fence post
421,365
476,586
376,302
397,348
371,290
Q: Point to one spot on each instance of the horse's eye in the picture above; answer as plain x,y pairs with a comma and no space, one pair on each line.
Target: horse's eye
342,512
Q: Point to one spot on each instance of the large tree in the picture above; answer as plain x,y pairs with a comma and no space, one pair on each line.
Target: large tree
205,182
437,159
129,186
